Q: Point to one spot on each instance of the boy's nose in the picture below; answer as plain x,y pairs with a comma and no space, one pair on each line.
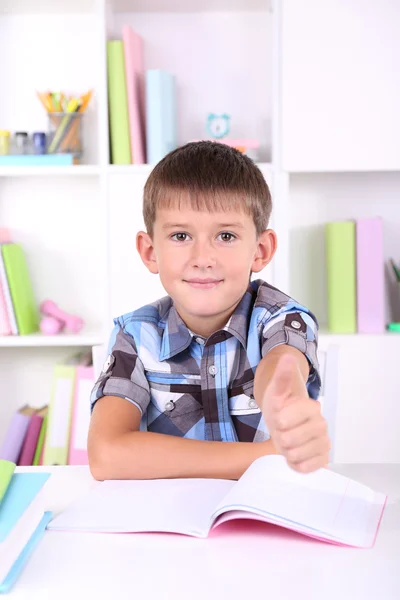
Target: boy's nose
203,255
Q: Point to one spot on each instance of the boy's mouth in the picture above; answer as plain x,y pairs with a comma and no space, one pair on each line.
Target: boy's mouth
203,284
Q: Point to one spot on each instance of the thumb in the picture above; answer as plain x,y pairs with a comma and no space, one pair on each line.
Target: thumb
280,388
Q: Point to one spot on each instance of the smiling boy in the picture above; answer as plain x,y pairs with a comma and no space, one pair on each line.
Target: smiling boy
223,369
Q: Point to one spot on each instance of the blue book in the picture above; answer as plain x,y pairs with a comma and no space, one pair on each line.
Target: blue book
37,160
161,135
22,520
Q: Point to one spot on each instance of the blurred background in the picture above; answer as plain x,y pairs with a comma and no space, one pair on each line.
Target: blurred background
94,93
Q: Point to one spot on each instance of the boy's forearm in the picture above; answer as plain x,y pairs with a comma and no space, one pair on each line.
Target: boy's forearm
145,455
267,366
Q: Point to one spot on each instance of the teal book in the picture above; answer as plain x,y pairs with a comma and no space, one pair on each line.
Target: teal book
161,129
22,519
37,160
21,290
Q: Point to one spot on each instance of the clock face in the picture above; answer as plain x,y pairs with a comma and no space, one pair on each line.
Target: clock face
218,125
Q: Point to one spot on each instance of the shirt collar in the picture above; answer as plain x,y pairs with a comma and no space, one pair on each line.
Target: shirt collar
177,337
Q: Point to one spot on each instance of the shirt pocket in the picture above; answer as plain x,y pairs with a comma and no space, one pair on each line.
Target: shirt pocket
175,395
242,401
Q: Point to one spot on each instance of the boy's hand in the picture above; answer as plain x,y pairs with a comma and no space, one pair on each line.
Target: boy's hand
295,423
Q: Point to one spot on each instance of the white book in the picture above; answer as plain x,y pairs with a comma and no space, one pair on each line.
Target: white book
323,505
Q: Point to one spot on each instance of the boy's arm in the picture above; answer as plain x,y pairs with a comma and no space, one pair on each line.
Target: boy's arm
118,450
295,422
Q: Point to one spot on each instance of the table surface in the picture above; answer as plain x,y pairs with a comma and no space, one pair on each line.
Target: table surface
255,560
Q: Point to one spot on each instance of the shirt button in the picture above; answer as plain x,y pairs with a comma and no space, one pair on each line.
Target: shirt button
200,341
252,404
213,370
169,406
295,324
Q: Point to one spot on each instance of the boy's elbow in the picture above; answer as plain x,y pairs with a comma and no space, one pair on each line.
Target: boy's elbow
100,461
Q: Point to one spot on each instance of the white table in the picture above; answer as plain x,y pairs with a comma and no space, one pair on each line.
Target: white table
258,561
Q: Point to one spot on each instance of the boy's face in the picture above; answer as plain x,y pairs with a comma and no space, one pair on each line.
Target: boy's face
204,260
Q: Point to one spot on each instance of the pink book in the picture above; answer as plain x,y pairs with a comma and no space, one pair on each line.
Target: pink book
135,86
84,382
30,441
370,275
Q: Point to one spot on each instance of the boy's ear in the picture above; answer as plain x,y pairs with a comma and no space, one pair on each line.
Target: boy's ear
145,247
266,247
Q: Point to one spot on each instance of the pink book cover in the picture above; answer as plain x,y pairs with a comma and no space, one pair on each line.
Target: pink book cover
84,383
370,275
5,326
30,441
5,323
135,86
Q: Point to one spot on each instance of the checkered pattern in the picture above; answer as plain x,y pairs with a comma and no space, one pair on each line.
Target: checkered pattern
192,387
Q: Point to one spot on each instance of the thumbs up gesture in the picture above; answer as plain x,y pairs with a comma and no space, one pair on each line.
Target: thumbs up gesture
297,428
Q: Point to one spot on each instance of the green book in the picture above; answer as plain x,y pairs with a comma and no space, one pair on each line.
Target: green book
6,472
118,105
22,296
41,437
340,239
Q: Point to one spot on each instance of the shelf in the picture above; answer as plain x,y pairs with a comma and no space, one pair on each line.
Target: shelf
37,340
70,171
27,7
190,5
325,338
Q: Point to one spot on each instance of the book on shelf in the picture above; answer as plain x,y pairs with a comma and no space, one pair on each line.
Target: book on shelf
118,104
355,276
370,275
22,310
23,520
161,135
322,505
69,412
30,443
135,88
15,435
341,276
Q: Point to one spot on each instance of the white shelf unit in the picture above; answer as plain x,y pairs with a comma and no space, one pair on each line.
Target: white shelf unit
78,224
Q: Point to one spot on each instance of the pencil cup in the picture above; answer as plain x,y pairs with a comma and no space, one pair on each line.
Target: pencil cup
65,133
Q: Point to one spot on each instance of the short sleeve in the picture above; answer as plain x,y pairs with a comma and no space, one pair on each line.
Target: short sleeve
299,329
123,372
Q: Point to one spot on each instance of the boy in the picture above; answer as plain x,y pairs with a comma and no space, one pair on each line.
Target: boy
222,370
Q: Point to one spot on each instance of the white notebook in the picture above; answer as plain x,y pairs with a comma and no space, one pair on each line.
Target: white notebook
323,505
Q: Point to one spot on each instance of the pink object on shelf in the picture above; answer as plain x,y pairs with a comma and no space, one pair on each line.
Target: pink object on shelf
51,326
135,89
84,381
71,322
5,236
370,275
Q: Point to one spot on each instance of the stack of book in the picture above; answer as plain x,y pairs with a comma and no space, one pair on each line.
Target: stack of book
55,434
19,313
142,104
355,276
22,519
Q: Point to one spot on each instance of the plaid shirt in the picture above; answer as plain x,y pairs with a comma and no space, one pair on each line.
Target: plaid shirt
192,387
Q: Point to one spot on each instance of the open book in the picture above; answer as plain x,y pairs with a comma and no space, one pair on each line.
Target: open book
22,519
322,504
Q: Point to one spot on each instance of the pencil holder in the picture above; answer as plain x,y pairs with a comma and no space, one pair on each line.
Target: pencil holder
65,133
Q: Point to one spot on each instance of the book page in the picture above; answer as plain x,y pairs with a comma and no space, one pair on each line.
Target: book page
322,503
163,505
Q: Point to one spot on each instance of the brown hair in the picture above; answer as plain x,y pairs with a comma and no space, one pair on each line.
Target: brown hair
210,176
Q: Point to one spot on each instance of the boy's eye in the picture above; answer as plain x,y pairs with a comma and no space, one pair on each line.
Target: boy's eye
225,236
180,237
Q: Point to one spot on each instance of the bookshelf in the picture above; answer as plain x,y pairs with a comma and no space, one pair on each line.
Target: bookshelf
78,224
